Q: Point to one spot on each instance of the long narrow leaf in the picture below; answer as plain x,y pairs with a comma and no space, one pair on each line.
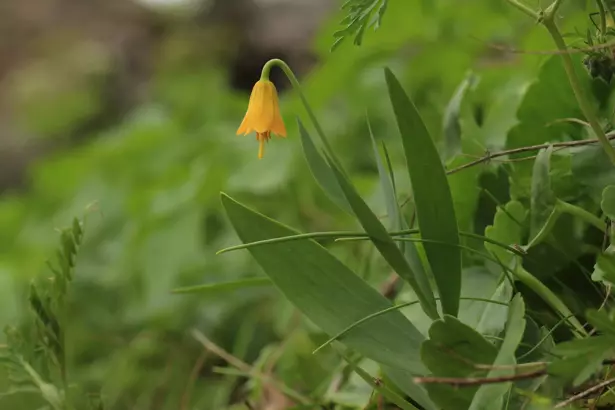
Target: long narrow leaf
432,197
397,221
385,244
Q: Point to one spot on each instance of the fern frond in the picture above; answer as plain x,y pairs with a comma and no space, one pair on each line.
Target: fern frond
362,14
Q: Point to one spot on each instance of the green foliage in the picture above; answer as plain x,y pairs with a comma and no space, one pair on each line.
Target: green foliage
36,353
520,303
432,197
362,14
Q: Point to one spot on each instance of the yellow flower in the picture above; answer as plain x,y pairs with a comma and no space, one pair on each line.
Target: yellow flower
263,115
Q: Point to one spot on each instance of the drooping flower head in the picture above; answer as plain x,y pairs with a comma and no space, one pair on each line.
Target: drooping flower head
263,115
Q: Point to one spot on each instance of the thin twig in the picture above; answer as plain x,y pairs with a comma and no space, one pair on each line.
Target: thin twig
194,373
585,393
477,381
246,368
490,156
575,50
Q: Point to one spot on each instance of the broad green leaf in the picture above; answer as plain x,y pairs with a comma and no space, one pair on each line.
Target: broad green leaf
432,197
608,202
601,321
507,228
488,395
538,122
450,121
592,168
329,293
320,170
452,350
385,244
543,199
582,358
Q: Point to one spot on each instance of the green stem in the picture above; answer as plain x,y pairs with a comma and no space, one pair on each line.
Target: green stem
582,100
602,17
552,9
581,214
350,234
525,9
551,299
297,86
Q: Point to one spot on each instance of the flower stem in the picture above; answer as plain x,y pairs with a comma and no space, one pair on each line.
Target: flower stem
526,9
295,83
582,100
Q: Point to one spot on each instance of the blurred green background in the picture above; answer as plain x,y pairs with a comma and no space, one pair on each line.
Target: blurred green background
125,113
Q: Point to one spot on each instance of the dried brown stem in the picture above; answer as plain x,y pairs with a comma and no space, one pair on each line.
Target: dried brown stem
585,393
194,374
246,368
477,381
490,156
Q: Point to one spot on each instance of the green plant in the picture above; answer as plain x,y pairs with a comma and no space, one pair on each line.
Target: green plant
36,353
454,363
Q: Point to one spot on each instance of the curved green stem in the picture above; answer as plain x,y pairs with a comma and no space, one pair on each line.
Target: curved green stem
350,234
388,310
581,214
551,299
297,86
586,108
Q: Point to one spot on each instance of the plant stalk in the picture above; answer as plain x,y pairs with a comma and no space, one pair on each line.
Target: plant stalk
297,87
549,23
525,9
